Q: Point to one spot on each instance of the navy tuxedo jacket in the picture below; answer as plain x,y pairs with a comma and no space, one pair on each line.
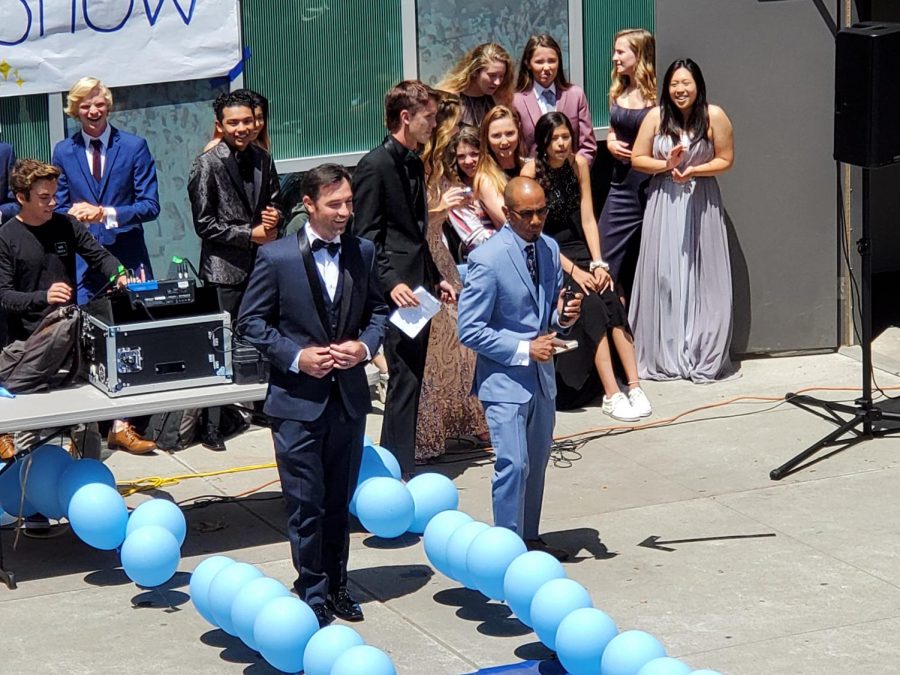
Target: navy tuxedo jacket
279,315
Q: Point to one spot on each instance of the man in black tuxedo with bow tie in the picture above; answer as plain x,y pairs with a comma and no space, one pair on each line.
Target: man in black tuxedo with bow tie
391,209
235,201
314,307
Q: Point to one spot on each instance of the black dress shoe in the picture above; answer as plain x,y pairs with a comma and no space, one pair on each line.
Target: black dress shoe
344,606
211,439
539,544
323,615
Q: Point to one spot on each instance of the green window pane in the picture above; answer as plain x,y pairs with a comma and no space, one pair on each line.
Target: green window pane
602,20
324,68
24,125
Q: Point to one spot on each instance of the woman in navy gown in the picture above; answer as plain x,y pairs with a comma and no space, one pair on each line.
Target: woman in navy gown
631,96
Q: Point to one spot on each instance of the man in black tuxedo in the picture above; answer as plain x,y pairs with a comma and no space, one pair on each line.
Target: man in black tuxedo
235,200
391,209
315,309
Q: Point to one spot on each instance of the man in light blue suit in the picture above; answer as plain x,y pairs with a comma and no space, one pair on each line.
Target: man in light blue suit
108,182
511,306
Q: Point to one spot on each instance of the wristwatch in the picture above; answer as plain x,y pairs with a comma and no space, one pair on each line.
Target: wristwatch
595,264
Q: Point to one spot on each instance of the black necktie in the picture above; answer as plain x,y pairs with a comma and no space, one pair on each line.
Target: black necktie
96,170
333,247
531,262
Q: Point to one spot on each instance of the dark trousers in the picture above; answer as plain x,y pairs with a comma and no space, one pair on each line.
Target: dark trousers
129,249
406,367
229,301
318,463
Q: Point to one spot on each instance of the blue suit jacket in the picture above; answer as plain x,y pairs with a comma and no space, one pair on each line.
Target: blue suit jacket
129,181
8,204
499,306
279,317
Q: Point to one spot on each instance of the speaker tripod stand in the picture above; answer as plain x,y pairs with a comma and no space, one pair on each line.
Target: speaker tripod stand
863,420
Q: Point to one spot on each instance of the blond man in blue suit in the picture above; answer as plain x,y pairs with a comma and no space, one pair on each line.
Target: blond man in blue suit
510,310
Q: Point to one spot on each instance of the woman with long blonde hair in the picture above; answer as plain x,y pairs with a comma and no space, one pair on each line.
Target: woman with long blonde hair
482,78
445,128
498,161
631,96
446,407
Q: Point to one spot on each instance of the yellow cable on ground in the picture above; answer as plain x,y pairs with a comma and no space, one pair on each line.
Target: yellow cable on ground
131,487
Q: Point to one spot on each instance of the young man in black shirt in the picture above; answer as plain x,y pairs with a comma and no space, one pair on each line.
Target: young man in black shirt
37,251
37,257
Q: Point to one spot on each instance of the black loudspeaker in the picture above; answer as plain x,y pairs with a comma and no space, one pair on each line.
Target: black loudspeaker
867,95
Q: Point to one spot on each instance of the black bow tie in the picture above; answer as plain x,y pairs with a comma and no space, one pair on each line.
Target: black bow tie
333,247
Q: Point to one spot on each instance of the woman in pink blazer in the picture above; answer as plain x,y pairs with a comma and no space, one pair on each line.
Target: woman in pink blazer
542,86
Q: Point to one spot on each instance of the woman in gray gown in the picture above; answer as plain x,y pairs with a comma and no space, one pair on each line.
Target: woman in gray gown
681,301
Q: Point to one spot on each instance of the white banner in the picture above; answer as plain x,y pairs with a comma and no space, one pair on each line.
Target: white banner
46,45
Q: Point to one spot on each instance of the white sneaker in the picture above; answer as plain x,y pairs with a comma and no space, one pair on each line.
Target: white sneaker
618,407
639,402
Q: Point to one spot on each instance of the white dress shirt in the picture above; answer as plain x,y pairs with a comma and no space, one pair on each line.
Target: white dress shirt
109,212
329,270
542,102
522,356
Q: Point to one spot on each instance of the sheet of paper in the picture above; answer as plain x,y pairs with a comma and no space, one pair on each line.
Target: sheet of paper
411,320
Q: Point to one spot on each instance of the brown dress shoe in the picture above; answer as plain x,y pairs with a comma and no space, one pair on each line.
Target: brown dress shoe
7,447
128,440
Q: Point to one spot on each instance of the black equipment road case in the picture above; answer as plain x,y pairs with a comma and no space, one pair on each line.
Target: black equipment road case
129,348
161,355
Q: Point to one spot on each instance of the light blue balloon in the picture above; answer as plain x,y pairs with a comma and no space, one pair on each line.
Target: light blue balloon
150,555
664,665
326,646
363,660
248,603
581,638
201,578
458,549
377,462
11,493
79,473
42,470
223,589
98,516
355,496
160,512
6,518
385,507
552,603
431,493
627,653
524,576
282,629
438,533
489,556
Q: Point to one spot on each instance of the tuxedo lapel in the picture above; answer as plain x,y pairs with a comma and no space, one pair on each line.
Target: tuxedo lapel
518,261
315,284
351,261
112,152
78,149
225,154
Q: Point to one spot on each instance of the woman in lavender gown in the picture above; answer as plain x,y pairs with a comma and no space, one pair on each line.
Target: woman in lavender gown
681,302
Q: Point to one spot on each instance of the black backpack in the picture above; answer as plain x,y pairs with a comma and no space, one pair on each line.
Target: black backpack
49,359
